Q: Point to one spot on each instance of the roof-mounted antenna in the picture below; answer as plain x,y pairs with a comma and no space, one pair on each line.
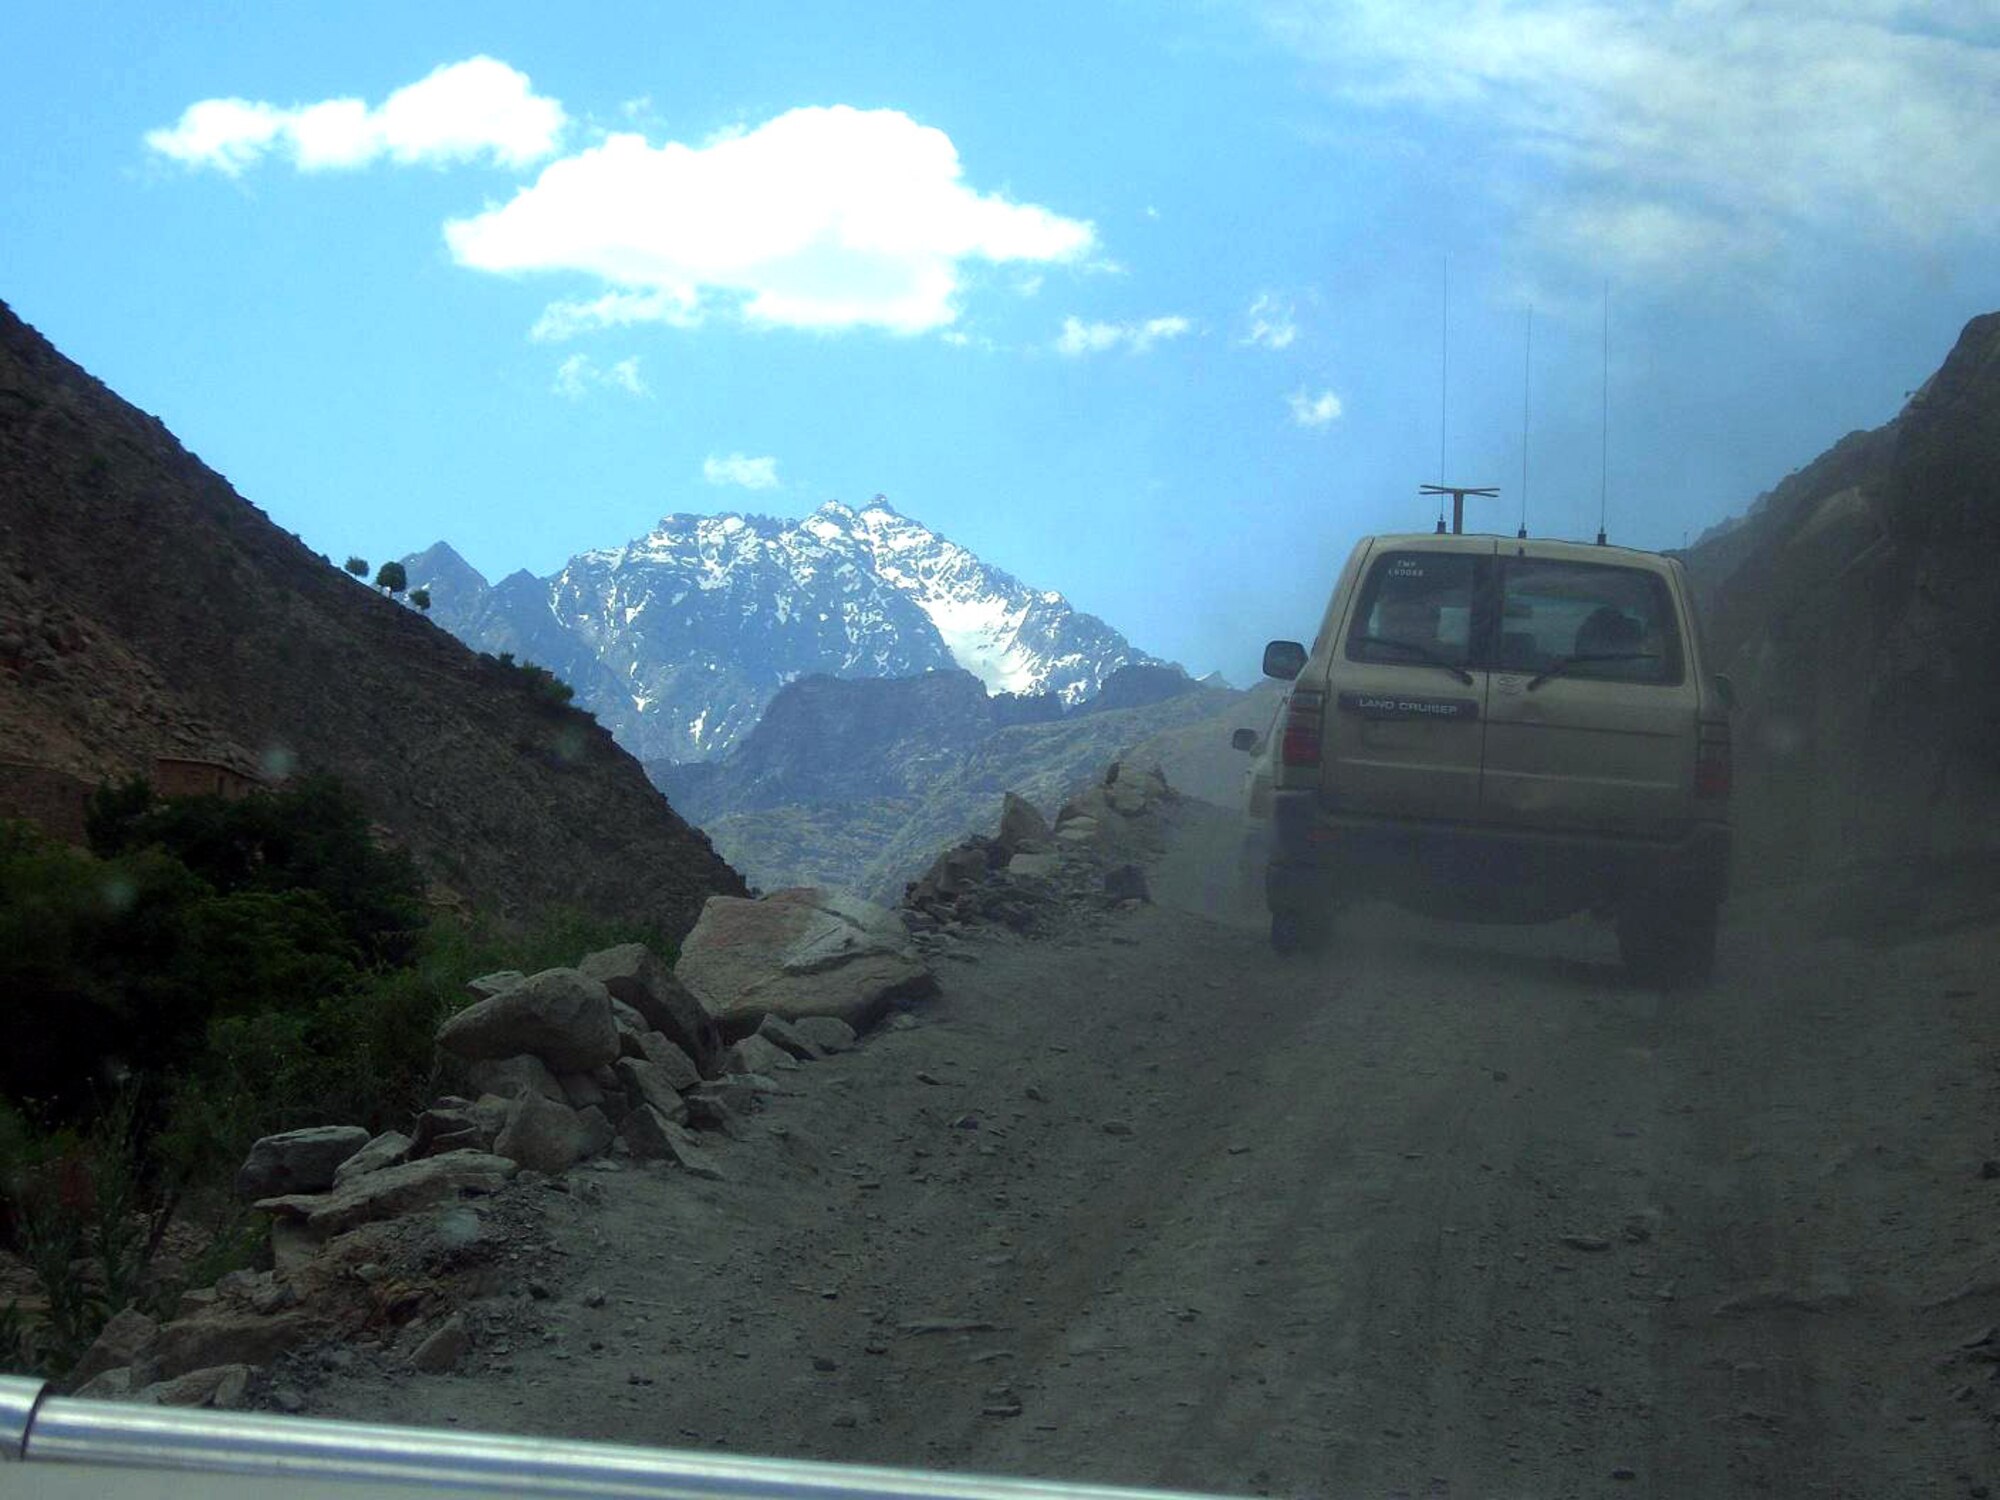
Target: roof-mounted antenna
1444,382
1604,421
1527,368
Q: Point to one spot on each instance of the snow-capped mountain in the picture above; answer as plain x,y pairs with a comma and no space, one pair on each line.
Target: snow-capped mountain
677,641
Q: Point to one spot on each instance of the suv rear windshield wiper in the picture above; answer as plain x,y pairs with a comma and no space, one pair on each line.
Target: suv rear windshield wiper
1429,657
1563,663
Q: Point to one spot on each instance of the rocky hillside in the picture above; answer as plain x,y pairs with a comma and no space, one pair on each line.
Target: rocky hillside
1857,607
147,609
679,639
859,783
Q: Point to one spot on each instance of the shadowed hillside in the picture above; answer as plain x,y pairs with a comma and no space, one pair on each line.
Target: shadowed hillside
147,609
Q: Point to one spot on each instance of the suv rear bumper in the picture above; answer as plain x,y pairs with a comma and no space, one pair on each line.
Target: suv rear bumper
1532,873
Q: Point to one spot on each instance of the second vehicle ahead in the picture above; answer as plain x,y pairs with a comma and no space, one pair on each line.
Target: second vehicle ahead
1505,730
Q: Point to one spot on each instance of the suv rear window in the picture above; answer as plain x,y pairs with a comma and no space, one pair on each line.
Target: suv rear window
1416,606
1596,620
1611,624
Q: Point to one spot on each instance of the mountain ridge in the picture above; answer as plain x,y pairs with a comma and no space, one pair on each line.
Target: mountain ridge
680,638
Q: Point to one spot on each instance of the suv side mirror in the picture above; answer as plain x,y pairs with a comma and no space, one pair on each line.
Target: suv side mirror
1243,739
1726,691
1284,659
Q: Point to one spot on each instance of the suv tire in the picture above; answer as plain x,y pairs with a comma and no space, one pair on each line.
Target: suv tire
1668,941
1295,932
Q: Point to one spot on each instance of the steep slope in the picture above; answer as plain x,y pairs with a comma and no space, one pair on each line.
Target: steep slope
1858,609
184,621
679,639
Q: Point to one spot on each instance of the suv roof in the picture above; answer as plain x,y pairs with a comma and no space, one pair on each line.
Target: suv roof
1534,546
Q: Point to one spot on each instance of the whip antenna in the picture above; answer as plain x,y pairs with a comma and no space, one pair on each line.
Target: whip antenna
1604,422
1527,371
1444,376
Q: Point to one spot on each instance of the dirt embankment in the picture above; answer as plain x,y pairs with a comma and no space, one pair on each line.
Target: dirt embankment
1456,1211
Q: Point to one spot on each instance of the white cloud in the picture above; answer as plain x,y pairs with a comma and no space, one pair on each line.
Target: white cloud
1314,411
463,111
750,473
1686,131
823,218
1079,338
578,376
1272,325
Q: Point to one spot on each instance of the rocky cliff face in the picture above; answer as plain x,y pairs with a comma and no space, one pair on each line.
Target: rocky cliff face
147,609
678,640
1858,609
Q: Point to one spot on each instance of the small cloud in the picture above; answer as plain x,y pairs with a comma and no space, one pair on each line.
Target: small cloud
577,377
1314,411
1030,286
749,473
1271,323
1151,212
462,112
1079,338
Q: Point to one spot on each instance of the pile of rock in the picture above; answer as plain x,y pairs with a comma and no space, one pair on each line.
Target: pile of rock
1030,875
619,1055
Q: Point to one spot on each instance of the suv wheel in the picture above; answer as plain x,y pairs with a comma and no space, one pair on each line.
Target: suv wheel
1668,941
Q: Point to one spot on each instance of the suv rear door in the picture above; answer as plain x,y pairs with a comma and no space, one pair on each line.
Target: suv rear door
1592,708
1406,720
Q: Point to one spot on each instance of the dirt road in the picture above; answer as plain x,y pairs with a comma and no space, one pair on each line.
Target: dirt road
1454,1211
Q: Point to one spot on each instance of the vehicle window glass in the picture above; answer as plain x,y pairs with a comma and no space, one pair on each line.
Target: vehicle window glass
1421,599
1608,623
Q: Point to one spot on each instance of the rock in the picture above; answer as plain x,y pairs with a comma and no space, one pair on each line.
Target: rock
1126,883
581,1091
635,975
443,1347
299,1161
1081,831
1020,823
106,1385
542,1135
227,1338
486,986
395,1191
459,1125
561,1016
389,1149
510,1077
649,1085
756,1054
1035,866
293,1246
117,1344
598,1132
828,1033
805,952
787,1038
223,1387
663,1054
652,1137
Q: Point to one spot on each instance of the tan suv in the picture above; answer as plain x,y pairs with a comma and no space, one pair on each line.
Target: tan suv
1502,730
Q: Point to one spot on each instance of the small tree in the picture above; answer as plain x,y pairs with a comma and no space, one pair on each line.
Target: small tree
358,566
391,576
421,598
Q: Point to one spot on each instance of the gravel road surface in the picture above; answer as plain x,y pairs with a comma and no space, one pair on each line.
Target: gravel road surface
1454,1211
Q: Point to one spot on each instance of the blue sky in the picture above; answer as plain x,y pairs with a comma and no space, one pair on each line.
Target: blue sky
1141,302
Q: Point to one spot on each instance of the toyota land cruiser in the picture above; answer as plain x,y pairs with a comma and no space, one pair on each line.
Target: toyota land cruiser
1502,730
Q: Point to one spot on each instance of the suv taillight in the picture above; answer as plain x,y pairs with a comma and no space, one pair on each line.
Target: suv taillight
1712,774
1300,746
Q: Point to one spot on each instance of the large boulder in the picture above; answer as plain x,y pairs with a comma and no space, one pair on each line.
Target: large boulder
636,976
542,1135
299,1161
562,1016
1021,824
808,951
394,1191
389,1149
511,1077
